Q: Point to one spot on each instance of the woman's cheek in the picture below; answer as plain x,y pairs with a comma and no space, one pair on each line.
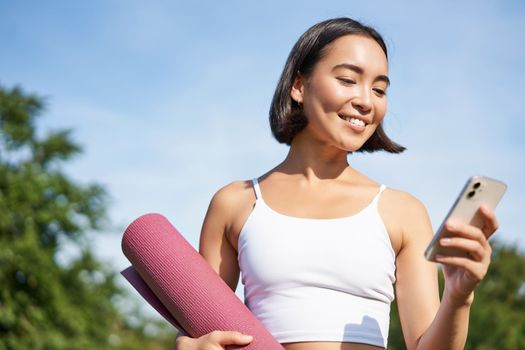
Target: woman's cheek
336,97
380,111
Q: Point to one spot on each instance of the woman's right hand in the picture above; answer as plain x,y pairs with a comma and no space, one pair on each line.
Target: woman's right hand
216,340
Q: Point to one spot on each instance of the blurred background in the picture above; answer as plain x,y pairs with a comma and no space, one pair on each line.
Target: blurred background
113,109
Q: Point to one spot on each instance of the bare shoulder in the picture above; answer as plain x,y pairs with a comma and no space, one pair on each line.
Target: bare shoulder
405,217
233,196
231,205
402,202
217,245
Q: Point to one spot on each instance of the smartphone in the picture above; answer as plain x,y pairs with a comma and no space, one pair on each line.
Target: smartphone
477,191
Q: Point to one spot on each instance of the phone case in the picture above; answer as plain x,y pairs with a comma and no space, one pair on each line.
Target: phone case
477,191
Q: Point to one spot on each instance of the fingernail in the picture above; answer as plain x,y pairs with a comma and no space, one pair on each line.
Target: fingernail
451,225
246,337
445,241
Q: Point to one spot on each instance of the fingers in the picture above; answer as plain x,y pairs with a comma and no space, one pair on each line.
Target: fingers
470,232
230,338
468,239
472,241
180,341
463,273
490,225
490,222
474,271
216,340
473,248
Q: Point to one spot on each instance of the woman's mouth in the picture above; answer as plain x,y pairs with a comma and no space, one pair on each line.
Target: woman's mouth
354,121
356,124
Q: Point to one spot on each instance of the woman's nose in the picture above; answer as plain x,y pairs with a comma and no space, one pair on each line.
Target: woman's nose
363,100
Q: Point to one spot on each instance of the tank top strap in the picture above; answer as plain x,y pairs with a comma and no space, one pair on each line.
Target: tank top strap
376,197
257,189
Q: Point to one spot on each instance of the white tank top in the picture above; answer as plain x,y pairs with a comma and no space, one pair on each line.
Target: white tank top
318,279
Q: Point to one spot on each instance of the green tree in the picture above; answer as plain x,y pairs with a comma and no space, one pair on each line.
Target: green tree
43,304
497,317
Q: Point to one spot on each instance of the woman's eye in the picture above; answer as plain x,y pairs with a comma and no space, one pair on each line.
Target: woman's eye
346,81
379,91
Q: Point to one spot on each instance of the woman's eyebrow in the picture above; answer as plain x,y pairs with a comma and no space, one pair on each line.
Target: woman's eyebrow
360,70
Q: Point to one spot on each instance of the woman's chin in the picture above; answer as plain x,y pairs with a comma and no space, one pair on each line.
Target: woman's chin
351,146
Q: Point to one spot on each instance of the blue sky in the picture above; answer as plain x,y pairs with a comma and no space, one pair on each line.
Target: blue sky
170,99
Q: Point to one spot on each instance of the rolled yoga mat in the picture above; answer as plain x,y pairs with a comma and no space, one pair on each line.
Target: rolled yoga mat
177,281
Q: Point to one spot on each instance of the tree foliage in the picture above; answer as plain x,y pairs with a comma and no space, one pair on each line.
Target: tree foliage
43,304
497,317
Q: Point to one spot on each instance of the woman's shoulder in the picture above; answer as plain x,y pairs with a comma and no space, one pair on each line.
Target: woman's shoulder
405,216
234,191
392,199
232,204
233,197
402,201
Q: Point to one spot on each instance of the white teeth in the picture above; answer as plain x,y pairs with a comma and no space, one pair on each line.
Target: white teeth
356,121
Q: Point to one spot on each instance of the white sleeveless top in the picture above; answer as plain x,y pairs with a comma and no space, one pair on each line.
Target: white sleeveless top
318,279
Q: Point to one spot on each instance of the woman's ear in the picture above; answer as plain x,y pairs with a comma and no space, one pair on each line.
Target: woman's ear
297,89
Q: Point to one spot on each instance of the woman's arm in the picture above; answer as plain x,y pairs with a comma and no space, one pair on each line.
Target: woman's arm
220,223
417,290
426,323
214,244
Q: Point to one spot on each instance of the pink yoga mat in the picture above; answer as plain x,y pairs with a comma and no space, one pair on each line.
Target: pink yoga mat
182,286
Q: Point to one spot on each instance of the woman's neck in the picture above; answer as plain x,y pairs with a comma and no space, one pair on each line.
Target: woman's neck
314,160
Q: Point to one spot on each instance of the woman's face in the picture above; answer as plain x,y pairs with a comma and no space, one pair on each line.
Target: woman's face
344,98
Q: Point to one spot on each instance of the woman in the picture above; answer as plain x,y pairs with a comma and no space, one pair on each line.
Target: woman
319,244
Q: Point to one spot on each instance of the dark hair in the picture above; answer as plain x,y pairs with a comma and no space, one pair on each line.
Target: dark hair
286,116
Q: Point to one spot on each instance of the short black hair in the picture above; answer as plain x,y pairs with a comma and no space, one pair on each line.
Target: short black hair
286,116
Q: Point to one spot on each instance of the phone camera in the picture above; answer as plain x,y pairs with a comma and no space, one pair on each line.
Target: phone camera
476,185
471,194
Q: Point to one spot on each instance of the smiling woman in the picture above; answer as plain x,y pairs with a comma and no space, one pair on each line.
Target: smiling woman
321,246
286,116
348,84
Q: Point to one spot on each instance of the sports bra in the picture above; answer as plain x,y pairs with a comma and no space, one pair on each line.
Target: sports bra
318,279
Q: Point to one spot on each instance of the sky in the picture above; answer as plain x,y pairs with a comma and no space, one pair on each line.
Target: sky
169,99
